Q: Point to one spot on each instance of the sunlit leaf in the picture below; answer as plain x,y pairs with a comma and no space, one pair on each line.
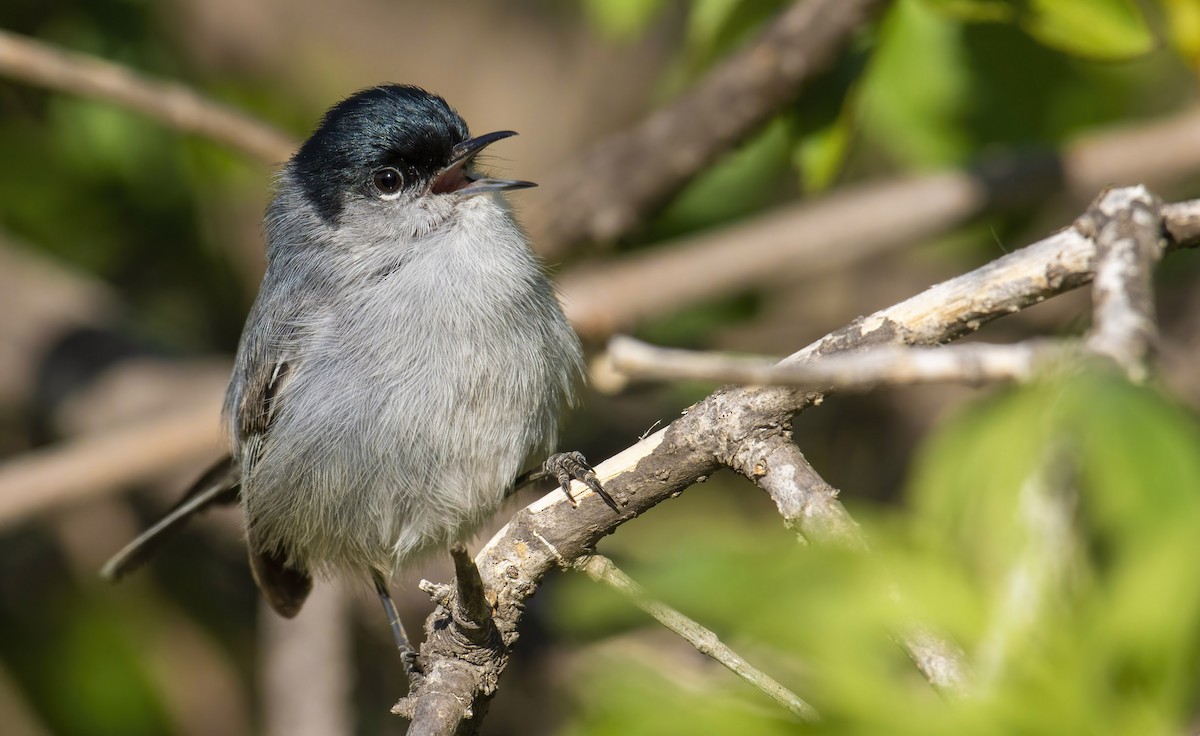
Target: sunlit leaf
707,20
917,87
734,186
824,124
622,19
1098,29
974,10
820,155
1107,642
1094,29
1183,25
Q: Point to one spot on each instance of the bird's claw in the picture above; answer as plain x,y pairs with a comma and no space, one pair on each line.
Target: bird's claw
569,466
412,662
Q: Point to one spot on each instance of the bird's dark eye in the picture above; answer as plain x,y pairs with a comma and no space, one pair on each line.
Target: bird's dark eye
387,181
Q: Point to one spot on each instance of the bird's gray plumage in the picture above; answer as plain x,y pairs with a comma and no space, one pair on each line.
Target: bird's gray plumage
405,358
396,374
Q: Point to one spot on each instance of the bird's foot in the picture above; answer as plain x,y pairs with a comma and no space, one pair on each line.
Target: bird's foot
569,466
412,665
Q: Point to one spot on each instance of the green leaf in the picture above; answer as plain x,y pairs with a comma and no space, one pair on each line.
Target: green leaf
917,88
1110,643
1183,25
1096,29
819,156
733,187
974,11
1120,626
938,91
707,21
622,19
823,126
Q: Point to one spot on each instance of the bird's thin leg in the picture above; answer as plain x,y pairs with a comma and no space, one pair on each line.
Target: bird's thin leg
407,653
566,467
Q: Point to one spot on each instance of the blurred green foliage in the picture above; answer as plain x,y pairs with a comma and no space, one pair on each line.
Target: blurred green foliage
947,79
120,196
936,83
1090,625
1098,29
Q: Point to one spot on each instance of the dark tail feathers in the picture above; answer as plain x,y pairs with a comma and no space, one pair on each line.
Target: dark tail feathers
218,485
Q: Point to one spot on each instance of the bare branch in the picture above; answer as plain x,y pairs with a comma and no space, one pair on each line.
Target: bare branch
724,429
602,570
973,364
173,104
602,298
610,190
42,301
1045,508
463,622
104,462
864,220
806,502
810,506
1181,220
1127,227
729,428
940,660
469,607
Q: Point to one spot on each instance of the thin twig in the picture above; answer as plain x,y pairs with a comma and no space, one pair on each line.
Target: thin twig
472,611
972,364
1127,227
35,62
611,189
603,570
940,659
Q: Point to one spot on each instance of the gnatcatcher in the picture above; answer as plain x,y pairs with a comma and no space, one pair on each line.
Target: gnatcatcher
403,362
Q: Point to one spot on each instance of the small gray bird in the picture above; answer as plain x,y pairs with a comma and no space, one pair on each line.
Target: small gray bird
404,361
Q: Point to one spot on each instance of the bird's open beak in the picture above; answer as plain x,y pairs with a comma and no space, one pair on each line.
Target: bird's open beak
456,178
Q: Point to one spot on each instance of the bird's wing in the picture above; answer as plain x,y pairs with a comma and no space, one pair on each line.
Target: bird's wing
218,485
285,587
259,403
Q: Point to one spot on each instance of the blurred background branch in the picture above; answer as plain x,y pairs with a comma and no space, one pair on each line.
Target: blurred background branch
105,462
860,222
910,142
614,187
173,104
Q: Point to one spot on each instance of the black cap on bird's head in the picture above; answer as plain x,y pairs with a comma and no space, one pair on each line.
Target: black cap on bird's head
390,140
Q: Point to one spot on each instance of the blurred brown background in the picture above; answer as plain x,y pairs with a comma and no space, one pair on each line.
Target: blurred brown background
130,252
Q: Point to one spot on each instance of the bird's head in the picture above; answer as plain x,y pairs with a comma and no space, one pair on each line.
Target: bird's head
388,149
